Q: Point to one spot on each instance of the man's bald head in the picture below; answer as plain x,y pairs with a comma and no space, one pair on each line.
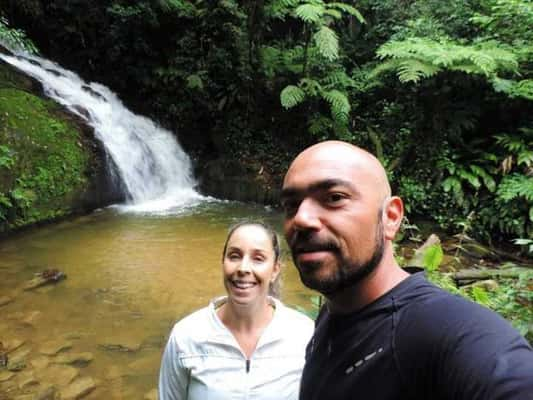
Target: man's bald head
346,155
340,220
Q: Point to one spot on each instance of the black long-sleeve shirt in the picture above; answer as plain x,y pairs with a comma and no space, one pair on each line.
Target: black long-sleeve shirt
417,342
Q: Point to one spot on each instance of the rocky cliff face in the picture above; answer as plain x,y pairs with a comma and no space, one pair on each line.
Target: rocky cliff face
51,165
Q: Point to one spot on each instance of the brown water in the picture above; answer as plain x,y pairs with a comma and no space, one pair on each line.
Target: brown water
129,278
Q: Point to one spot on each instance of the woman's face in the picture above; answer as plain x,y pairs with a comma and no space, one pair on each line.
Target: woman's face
249,265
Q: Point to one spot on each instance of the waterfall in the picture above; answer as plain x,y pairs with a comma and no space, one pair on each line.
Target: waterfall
153,168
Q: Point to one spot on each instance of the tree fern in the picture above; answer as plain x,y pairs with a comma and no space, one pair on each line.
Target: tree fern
417,58
522,88
335,14
338,79
310,13
327,43
414,70
15,38
340,106
349,10
515,185
291,96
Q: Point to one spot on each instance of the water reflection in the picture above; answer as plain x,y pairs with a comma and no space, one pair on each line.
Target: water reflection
129,277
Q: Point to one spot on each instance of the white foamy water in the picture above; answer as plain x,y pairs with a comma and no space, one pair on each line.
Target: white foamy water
153,169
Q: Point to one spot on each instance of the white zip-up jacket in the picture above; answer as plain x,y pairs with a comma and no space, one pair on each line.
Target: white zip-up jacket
202,360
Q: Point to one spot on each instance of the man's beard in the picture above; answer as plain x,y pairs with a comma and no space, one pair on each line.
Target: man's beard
348,272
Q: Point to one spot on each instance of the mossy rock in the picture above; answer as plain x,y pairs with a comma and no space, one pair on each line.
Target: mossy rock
46,160
43,165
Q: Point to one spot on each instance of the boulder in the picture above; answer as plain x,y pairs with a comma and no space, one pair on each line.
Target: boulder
78,389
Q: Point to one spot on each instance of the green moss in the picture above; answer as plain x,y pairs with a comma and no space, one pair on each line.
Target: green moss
44,161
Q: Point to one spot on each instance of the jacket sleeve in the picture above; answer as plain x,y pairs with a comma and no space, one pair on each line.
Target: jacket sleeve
173,376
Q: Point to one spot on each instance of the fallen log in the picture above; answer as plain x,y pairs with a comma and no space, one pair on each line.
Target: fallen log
479,274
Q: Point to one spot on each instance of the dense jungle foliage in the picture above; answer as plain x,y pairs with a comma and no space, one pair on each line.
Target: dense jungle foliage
441,91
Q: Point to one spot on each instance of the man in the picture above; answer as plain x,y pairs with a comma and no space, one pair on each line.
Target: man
384,333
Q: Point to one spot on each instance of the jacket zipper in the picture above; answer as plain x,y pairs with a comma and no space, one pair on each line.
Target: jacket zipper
247,366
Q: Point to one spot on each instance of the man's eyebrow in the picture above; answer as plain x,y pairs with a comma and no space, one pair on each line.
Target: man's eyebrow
325,184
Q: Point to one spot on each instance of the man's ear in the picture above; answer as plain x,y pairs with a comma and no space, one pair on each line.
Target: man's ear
392,216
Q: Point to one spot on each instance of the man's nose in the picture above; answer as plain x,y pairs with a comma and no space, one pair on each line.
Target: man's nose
307,216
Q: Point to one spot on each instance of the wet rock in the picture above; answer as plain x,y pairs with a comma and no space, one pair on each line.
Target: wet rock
12,345
4,300
48,276
17,359
77,359
6,375
115,372
73,336
26,380
50,393
32,317
16,366
53,347
78,389
490,285
40,362
23,397
151,395
54,72
146,363
125,345
59,375
93,92
3,356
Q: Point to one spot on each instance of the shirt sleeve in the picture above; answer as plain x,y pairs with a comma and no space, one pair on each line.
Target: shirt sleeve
462,351
173,376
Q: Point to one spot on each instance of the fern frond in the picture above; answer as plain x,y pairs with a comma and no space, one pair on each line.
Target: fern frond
194,81
333,13
339,103
525,157
422,58
310,13
338,79
327,43
414,70
523,88
291,96
514,186
319,125
311,86
281,8
348,9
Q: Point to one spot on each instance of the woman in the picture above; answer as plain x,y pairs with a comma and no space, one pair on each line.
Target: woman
246,345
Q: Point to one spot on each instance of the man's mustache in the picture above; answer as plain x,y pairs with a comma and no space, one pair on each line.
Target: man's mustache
305,243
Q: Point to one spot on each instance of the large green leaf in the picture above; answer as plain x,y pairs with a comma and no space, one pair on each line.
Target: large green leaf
433,256
291,96
340,105
348,9
327,43
310,13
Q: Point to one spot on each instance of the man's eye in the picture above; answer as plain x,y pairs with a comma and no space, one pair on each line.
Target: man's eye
335,197
290,206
